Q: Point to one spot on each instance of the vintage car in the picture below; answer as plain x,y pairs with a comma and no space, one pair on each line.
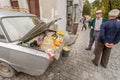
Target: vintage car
19,49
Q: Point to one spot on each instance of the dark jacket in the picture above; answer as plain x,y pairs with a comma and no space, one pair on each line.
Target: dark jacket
110,32
92,23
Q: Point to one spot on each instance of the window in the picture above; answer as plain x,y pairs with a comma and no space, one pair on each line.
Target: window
14,4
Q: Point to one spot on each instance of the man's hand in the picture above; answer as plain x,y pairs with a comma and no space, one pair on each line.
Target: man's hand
112,45
109,45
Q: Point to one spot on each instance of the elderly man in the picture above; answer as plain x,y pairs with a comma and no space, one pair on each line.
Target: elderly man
95,28
109,36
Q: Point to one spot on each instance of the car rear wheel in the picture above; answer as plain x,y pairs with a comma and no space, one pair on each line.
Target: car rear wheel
6,70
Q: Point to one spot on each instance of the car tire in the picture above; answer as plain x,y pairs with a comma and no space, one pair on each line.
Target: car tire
6,70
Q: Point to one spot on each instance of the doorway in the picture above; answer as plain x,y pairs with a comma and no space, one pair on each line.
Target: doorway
34,7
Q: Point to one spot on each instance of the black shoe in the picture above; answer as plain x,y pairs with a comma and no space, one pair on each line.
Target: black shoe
103,65
94,63
88,49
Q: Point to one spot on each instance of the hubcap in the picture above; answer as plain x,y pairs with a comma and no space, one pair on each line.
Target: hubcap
4,68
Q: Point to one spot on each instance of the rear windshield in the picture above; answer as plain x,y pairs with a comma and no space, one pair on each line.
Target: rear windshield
18,27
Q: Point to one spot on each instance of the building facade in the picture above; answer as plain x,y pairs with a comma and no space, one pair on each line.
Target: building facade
48,10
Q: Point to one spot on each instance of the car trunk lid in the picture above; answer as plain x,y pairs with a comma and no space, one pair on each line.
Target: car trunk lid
41,27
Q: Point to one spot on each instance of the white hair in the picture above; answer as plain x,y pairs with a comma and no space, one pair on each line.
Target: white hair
114,12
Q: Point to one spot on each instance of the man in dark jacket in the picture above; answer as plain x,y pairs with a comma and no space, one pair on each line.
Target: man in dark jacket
95,28
109,36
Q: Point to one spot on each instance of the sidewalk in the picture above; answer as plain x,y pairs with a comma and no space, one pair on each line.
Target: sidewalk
78,65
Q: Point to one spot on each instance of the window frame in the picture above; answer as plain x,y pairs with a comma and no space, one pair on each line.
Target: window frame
1,27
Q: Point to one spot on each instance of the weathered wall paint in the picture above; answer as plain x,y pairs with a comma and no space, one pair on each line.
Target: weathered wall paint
4,3
23,4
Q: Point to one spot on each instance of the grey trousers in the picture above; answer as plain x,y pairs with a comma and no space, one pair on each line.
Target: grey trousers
102,54
93,39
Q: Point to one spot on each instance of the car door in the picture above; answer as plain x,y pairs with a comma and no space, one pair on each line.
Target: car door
3,51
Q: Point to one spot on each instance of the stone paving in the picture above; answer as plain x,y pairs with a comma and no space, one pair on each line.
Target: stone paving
78,65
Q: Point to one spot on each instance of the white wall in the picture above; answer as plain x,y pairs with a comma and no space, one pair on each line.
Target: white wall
23,4
61,12
75,1
79,9
53,9
4,3
47,10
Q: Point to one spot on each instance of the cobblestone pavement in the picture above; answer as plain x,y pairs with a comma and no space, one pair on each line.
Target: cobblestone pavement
78,65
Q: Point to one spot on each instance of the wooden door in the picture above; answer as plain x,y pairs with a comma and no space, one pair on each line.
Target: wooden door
34,7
